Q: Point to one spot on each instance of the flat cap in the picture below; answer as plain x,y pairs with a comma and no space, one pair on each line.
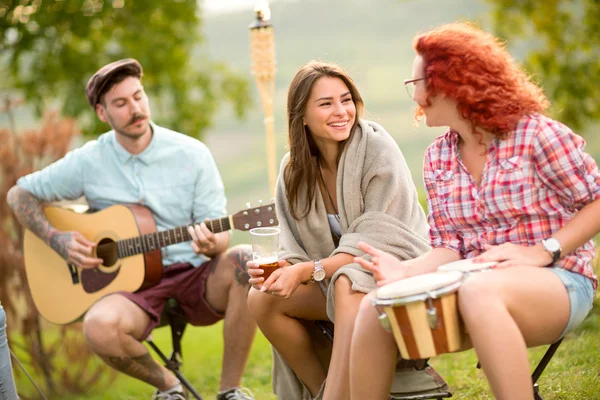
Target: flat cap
98,81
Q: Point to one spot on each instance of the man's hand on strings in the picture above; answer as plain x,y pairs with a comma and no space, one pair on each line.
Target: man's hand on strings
203,240
74,248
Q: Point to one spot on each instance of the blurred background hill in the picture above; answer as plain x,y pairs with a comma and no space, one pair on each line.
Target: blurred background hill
371,40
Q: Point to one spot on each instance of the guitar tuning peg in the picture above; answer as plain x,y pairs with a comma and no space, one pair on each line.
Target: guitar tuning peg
248,205
260,203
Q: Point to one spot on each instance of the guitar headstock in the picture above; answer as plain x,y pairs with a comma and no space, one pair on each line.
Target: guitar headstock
254,217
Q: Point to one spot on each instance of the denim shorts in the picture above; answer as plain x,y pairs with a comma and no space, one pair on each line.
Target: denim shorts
581,296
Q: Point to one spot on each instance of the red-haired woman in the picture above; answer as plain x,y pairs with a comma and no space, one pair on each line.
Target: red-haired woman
504,183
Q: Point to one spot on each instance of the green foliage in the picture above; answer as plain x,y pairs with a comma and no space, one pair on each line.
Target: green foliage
567,54
53,47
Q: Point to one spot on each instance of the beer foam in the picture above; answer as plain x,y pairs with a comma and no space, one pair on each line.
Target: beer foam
266,260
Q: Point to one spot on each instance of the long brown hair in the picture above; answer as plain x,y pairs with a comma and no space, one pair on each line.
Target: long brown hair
301,169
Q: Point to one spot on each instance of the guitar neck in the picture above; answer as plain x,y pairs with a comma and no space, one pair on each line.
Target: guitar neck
157,240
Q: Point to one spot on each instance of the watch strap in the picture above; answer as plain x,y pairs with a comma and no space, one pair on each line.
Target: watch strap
555,256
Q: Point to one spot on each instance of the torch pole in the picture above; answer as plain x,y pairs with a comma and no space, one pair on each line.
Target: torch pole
262,51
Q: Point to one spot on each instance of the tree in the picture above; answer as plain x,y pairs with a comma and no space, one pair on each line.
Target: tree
565,35
53,47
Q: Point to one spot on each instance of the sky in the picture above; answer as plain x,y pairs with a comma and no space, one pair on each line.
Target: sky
223,6
220,6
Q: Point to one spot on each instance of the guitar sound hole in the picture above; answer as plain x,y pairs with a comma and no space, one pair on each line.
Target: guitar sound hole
107,251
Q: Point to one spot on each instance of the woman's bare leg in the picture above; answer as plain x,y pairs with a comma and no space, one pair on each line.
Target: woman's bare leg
373,355
507,310
347,303
278,318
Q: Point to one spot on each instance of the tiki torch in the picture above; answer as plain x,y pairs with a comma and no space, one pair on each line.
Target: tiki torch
262,52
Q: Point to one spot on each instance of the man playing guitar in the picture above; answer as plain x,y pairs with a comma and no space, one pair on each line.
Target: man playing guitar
175,176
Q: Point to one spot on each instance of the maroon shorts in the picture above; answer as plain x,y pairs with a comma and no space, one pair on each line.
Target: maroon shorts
184,283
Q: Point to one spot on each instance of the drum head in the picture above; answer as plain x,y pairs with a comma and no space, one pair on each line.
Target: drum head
466,265
418,284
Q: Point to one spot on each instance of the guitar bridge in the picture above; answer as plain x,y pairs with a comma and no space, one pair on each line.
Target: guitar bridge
74,274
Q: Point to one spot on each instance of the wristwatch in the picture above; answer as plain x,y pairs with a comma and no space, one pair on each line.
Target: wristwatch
552,246
318,273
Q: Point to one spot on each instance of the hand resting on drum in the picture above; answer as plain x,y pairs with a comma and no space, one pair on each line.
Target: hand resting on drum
513,255
387,269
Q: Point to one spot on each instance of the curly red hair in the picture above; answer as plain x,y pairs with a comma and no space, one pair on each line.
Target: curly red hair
474,68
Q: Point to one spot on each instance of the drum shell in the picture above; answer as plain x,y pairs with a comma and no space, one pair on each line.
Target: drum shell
410,325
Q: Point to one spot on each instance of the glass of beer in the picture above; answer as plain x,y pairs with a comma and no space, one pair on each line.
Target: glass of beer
265,245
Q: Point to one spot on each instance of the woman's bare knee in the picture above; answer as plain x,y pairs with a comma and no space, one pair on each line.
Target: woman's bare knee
366,308
260,305
342,286
475,295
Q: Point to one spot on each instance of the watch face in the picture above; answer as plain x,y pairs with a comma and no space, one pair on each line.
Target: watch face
552,245
319,275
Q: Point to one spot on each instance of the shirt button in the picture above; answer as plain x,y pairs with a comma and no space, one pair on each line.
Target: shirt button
589,178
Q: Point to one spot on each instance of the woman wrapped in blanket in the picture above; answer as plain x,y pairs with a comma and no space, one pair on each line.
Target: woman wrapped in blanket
504,184
343,181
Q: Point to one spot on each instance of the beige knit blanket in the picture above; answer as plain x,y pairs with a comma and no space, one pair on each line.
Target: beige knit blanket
377,203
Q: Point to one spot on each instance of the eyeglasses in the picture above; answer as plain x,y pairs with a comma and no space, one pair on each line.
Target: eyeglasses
409,84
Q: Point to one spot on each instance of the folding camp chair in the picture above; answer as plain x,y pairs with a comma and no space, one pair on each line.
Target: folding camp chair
174,316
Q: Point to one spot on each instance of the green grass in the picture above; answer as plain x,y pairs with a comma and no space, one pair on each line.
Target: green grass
573,373
202,349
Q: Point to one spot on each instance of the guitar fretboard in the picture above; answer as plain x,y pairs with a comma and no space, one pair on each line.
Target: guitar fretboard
156,240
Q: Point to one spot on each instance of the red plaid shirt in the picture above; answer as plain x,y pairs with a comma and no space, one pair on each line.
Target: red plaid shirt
533,183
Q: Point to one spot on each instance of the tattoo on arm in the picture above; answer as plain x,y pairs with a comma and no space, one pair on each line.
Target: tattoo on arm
239,257
142,367
29,212
59,242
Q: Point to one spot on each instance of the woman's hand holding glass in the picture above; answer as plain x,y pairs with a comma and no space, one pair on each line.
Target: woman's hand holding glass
257,274
282,282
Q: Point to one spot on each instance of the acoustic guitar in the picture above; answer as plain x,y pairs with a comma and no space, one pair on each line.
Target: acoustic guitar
129,245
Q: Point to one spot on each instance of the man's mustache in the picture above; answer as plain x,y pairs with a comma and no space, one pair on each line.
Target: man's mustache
136,118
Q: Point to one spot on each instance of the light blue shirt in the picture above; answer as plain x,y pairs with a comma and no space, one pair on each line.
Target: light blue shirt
175,177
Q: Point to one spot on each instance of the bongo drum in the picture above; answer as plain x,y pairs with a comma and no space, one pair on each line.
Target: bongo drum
422,314
467,266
